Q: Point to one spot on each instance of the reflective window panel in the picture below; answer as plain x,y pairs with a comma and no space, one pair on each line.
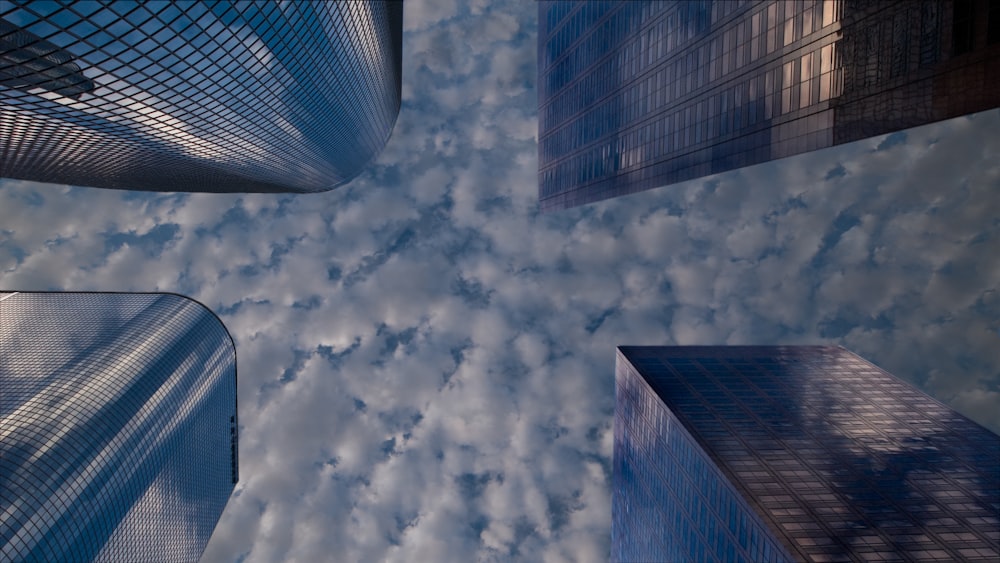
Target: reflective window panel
118,428
634,95
799,453
209,96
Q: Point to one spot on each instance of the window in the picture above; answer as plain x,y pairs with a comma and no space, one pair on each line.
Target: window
807,81
993,23
830,8
963,27
788,81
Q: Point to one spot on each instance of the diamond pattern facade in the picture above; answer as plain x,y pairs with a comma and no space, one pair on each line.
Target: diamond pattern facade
258,96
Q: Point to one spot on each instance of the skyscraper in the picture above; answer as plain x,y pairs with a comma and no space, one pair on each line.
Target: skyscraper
637,95
807,453
118,430
255,96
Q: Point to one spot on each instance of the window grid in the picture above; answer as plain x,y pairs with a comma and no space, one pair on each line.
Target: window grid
636,95
197,96
833,471
105,401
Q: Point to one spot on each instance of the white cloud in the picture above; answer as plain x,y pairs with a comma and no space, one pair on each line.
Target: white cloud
421,14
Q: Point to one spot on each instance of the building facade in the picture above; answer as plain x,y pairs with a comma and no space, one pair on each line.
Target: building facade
255,96
802,453
118,429
637,95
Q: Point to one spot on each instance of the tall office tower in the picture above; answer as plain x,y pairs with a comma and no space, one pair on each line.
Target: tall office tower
802,453
250,96
636,95
117,426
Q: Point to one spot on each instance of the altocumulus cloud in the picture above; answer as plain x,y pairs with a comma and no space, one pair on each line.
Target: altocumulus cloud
426,362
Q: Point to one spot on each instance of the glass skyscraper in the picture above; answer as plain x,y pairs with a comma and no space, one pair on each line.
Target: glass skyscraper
800,453
634,95
248,96
118,429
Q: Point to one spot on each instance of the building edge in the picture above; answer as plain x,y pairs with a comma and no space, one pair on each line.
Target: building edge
225,330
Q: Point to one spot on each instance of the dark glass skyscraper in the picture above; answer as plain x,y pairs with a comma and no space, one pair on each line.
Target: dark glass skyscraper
808,453
118,430
251,96
634,95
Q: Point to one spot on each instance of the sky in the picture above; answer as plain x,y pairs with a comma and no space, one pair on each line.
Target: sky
426,362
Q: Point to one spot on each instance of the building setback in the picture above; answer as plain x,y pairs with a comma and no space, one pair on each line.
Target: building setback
118,429
799,453
635,95
261,96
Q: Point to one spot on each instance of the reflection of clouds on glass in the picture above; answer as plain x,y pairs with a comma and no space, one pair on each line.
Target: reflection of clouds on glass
291,96
28,62
122,101
701,88
820,440
119,396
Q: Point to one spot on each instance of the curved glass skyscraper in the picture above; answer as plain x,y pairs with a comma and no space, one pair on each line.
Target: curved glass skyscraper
118,428
197,96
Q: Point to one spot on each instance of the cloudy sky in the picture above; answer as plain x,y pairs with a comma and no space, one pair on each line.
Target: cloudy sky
426,362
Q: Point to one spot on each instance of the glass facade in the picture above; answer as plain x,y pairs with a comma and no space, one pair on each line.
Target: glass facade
249,96
118,429
634,95
804,453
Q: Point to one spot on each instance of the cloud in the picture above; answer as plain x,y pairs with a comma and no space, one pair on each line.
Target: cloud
421,15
